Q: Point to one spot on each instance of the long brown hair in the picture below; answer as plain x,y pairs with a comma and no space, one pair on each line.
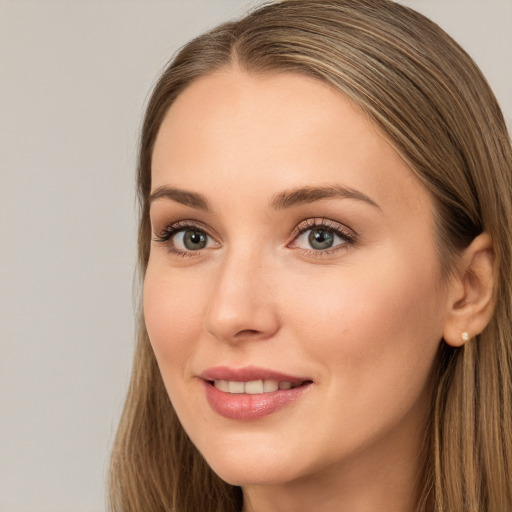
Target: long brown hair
437,110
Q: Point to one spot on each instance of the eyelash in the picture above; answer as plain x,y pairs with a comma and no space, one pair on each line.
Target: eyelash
349,237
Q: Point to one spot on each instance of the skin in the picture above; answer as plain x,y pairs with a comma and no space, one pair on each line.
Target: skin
363,322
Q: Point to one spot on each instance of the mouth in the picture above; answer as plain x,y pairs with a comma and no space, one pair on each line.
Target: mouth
251,380
251,393
256,387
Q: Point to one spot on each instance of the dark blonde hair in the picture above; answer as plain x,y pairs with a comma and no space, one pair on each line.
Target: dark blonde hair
437,110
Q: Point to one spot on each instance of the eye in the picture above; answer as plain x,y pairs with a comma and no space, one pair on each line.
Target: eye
318,239
190,240
183,238
321,235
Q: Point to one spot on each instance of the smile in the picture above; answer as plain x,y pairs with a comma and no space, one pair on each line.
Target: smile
251,393
254,387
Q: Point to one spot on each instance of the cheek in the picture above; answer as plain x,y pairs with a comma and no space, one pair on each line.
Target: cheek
372,325
173,314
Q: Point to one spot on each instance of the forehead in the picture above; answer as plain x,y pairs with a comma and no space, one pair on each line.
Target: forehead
247,132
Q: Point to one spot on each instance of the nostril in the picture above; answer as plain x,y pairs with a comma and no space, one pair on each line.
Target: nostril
248,333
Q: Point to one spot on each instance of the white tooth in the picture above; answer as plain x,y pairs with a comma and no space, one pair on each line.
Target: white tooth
221,385
254,387
236,387
285,385
270,385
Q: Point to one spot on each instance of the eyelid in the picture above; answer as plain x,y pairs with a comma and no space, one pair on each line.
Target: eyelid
173,227
316,222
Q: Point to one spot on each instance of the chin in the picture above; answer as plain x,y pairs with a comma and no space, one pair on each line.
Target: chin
261,465
243,476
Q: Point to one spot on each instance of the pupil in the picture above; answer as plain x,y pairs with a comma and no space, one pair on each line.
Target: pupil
320,239
194,240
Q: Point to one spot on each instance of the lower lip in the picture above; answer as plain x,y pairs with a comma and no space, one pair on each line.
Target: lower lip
250,407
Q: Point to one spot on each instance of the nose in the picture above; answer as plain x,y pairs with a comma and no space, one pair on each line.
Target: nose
242,307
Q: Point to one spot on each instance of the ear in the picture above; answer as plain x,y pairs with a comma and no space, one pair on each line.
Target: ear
471,292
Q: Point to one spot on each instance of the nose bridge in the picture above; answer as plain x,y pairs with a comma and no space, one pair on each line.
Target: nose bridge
240,306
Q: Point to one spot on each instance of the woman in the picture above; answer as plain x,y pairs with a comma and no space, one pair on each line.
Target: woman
325,244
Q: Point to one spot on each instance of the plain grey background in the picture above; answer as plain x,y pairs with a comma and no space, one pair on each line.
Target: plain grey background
74,80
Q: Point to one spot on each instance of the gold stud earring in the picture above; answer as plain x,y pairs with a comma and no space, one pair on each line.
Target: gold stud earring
465,336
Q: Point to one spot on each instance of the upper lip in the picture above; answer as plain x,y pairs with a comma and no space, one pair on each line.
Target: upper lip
248,373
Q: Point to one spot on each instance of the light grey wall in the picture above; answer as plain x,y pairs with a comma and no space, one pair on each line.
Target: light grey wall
74,78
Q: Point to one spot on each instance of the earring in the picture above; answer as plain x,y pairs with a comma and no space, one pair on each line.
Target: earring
465,336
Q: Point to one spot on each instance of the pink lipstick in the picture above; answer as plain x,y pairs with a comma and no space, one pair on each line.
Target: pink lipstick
251,393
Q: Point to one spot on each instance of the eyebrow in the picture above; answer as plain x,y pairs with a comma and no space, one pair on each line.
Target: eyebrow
305,195
283,200
178,195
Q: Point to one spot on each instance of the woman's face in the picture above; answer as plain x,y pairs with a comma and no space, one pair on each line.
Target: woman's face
293,247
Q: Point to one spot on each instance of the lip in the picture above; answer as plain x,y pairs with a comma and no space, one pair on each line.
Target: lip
248,373
245,406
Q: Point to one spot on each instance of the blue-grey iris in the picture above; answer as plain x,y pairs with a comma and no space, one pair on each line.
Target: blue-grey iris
194,240
320,239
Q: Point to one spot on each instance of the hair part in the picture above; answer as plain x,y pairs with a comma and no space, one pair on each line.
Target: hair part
436,108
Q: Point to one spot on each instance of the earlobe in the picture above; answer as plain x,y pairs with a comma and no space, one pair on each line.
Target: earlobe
471,295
